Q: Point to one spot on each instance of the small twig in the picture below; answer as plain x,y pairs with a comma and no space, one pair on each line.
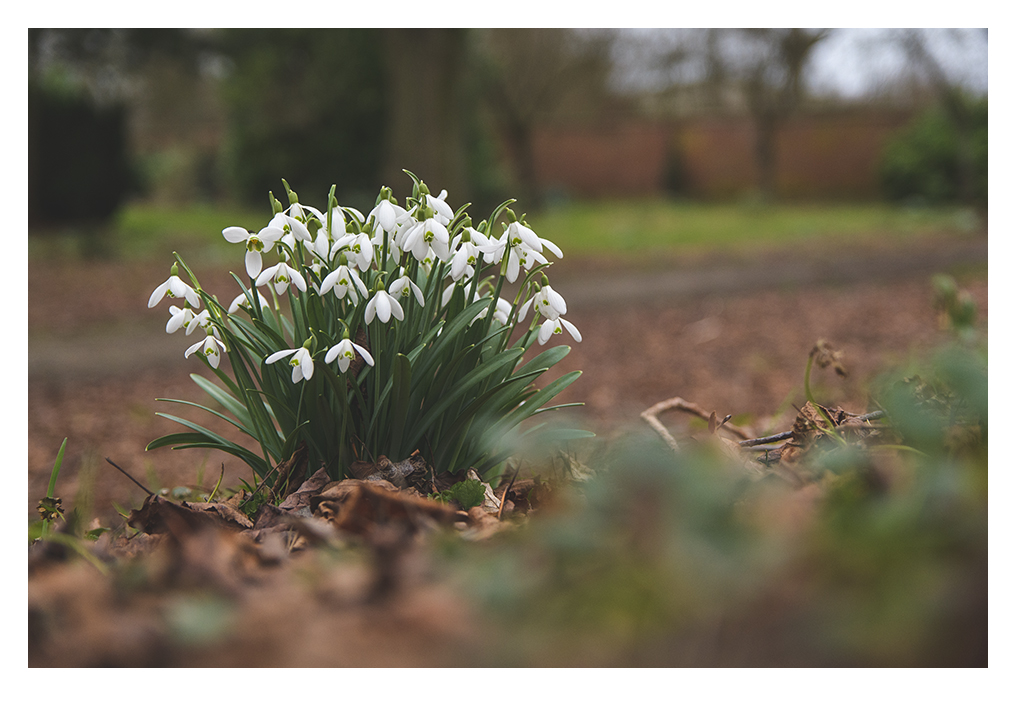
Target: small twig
651,413
136,482
874,415
504,494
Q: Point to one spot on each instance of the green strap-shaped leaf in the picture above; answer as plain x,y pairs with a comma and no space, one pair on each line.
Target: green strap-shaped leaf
465,384
401,388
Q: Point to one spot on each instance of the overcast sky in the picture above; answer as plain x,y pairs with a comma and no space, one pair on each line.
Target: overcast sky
851,62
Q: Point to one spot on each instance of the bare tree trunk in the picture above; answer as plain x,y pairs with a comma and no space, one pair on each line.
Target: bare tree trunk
766,154
425,135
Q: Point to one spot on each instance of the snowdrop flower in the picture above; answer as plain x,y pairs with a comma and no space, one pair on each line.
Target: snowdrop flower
241,301
176,288
303,213
521,256
554,326
385,306
503,308
345,352
280,276
344,281
178,318
204,321
387,215
293,230
549,303
468,245
303,364
207,348
419,237
518,233
357,245
440,207
255,244
403,286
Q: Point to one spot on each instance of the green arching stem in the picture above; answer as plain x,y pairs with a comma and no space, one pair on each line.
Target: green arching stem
808,396
51,489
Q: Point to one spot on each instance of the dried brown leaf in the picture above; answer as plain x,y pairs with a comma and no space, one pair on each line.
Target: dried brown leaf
310,488
159,515
369,506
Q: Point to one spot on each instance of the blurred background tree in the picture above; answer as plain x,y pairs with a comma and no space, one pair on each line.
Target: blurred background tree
175,117
535,76
307,106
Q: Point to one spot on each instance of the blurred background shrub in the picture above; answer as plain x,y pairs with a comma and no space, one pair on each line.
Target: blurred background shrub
940,157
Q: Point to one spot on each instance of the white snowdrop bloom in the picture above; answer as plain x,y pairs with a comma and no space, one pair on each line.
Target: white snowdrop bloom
344,281
203,321
503,308
345,352
421,236
549,303
303,364
176,288
255,242
442,211
554,327
359,247
241,301
207,348
281,275
384,305
178,318
521,256
403,286
518,233
293,230
468,246
320,246
388,215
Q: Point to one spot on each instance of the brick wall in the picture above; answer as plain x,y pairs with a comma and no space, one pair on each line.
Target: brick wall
820,156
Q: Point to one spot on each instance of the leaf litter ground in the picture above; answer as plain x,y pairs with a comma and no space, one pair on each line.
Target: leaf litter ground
345,572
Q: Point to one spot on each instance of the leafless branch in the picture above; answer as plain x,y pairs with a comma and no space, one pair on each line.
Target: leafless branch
651,413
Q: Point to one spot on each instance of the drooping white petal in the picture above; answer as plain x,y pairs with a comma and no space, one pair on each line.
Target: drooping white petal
384,306
572,329
364,353
277,356
306,363
252,261
235,234
270,234
552,246
546,330
158,294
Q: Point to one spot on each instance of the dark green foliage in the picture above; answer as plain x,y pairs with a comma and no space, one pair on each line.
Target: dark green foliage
308,106
928,161
79,170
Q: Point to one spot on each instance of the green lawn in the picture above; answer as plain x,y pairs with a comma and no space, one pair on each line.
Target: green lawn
658,226
635,228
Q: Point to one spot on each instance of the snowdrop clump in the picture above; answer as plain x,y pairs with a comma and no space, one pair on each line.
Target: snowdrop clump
399,326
